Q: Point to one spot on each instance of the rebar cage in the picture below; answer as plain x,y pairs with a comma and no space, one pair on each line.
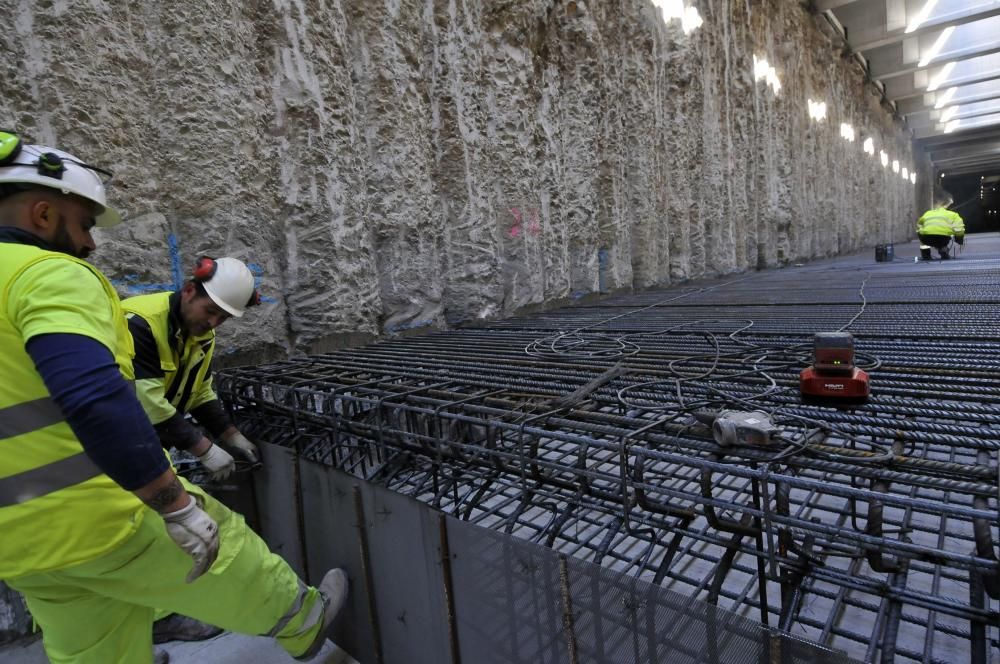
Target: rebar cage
870,529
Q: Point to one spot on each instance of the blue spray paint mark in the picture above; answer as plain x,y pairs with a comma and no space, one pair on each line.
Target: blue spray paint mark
130,287
602,269
256,269
175,263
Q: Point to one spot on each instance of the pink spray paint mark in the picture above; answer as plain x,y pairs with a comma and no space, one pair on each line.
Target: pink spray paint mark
515,230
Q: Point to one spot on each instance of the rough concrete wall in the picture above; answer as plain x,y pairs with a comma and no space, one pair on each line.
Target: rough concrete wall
390,165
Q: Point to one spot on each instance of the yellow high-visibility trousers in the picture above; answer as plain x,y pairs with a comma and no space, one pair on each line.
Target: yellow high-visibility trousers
101,611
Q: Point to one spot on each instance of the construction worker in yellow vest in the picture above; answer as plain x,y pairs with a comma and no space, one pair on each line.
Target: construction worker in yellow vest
174,338
97,529
936,228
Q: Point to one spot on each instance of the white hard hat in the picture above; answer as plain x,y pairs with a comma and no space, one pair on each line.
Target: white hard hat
228,282
49,167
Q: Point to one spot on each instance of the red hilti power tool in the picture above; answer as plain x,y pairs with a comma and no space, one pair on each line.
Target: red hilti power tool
833,376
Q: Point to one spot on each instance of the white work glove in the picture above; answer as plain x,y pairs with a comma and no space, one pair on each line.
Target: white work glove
194,531
218,462
242,447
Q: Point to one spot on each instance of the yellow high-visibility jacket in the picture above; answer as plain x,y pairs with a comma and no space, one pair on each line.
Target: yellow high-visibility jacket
184,379
941,221
56,507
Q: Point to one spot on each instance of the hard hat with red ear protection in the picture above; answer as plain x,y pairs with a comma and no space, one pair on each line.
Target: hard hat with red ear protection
228,282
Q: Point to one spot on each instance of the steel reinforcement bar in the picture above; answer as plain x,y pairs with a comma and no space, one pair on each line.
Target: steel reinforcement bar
872,529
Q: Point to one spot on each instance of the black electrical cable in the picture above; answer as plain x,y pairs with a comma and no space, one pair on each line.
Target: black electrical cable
752,355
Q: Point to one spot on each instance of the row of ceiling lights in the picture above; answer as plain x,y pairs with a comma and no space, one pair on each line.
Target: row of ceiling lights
941,78
817,110
764,71
690,20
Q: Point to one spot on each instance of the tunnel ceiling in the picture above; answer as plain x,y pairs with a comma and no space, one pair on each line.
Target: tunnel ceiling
938,63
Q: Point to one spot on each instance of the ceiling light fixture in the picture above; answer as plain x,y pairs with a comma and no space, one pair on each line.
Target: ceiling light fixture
760,67
691,20
942,76
773,81
671,8
944,97
936,48
948,113
921,16
674,9
762,70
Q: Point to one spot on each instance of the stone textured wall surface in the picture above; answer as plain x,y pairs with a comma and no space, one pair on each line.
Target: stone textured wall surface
402,164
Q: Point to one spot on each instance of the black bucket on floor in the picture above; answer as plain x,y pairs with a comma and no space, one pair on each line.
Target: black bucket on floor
883,253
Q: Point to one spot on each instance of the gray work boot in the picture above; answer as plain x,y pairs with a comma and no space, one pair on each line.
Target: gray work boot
333,592
160,656
176,627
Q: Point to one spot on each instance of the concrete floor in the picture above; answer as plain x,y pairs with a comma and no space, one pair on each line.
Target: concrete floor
227,648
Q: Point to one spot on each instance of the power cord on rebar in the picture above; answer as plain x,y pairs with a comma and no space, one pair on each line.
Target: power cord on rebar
752,355
546,346
864,304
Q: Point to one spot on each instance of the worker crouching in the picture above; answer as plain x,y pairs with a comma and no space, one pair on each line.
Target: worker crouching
936,227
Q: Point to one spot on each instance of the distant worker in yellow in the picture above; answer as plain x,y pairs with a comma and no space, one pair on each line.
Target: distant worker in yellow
936,228
96,529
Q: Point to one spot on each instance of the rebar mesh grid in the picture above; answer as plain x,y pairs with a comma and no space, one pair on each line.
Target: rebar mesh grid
871,529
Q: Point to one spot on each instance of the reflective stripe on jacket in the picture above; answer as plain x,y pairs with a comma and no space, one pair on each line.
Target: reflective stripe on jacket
56,507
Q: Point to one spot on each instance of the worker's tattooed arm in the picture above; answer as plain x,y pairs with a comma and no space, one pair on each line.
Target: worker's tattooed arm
164,493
